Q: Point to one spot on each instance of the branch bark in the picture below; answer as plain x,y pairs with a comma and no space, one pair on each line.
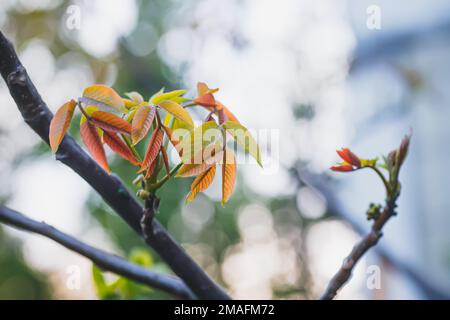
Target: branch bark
37,115
335,208
367,242
103,259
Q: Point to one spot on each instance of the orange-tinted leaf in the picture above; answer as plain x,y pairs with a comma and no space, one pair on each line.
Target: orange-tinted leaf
142,122
60,123
153,148
228,175
202,88
110,122
206,161
104,97
201,183
229,115
92,140
193,169
120,147
166,159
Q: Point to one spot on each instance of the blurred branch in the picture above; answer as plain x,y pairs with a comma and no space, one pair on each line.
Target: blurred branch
335,208
390,43
367,242
101,258
37,115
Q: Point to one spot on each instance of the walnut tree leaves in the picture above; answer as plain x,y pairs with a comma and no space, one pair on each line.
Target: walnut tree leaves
123,122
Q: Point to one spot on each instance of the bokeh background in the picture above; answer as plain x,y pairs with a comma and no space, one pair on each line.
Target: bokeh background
313,73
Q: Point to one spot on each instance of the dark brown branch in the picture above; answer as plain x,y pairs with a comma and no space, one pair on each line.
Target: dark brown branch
104,260
38,117
367,242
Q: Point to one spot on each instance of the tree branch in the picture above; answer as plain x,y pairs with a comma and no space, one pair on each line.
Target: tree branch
38,117
367,242
389,44
101,258
335,208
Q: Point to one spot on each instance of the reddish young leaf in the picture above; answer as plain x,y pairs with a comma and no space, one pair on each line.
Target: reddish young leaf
118,146
60,123
342,168
142,122
349,157
151,169
93,142
153,148
110,122
228,175
201,183
195,168
166,159
206,100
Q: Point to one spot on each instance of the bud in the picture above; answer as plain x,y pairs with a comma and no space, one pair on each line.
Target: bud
373,212
402,151
143,194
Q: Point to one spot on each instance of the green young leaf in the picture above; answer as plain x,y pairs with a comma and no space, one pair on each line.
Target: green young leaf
160,97
177,111
141,257
243,138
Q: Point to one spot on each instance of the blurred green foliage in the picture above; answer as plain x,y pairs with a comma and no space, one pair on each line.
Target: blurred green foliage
122,288
17,280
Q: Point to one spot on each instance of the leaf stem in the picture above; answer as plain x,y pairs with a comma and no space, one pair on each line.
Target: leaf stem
192,104
380,174
161,182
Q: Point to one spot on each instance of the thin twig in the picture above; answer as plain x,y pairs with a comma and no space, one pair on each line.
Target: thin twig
368,241
336,208
111,189
103,259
